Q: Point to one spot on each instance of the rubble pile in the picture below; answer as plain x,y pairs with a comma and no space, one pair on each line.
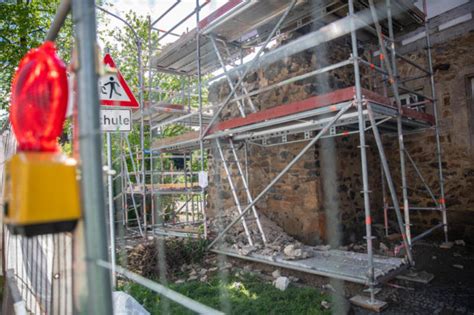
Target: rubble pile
277,240
143,258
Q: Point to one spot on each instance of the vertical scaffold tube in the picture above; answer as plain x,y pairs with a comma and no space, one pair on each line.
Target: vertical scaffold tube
401,142
439,159
363,155
201,141
142,132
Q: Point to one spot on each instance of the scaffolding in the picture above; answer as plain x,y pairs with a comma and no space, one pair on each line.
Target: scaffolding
242,30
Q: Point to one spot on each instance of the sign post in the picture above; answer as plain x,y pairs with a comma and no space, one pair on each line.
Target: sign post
111,208
114,92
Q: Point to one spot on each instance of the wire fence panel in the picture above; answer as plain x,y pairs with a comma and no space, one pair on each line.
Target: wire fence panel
41,265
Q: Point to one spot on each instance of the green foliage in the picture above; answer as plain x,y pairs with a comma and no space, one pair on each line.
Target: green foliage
23,25
124,44
246,295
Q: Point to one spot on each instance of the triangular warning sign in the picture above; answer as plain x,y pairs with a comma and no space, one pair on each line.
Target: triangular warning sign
113,90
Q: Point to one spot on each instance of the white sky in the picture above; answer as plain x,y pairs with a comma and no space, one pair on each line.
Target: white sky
155,8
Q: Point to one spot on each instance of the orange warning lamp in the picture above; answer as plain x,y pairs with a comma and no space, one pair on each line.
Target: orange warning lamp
41,191
39,100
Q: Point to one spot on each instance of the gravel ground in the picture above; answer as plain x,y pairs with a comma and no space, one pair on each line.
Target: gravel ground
450,292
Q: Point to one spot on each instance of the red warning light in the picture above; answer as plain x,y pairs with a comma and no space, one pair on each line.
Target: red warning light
39,99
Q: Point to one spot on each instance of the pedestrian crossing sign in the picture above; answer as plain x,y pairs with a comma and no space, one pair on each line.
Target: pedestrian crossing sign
113,89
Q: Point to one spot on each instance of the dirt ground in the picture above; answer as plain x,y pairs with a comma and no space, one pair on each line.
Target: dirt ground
450,292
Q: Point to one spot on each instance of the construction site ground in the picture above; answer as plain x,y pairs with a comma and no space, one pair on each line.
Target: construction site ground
450,292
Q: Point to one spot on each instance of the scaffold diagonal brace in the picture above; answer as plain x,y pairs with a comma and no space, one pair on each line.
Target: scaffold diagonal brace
283,172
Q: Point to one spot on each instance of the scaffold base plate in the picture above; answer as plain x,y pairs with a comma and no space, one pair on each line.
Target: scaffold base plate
446,245
416,276
365,302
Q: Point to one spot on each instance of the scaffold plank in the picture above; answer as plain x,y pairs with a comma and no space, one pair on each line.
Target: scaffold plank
292,114
338,264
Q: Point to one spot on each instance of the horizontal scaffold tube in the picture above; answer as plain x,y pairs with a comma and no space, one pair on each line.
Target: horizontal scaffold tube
283,172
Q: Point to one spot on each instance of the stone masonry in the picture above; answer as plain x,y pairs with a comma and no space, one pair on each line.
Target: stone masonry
453,64
309,203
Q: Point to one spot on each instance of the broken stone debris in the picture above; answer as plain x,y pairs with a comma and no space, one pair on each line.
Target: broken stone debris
276,274
281,283
227,265
457,266
277,239
383,247
293,279
246,250
329,287
325,304
323,247
293,252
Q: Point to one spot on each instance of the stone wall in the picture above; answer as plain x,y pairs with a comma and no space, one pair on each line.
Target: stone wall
307,203
453,63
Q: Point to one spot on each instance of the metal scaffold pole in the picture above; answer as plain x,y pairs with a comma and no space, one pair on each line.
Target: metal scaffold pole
150,83
138,43
439,159
234,192
110,195
401,142
247,70
310,144
394,84
363,156
142,132
201,141
99,298
244,180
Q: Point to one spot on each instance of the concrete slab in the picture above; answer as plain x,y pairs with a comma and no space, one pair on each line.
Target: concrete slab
446,245
416,276
365,302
